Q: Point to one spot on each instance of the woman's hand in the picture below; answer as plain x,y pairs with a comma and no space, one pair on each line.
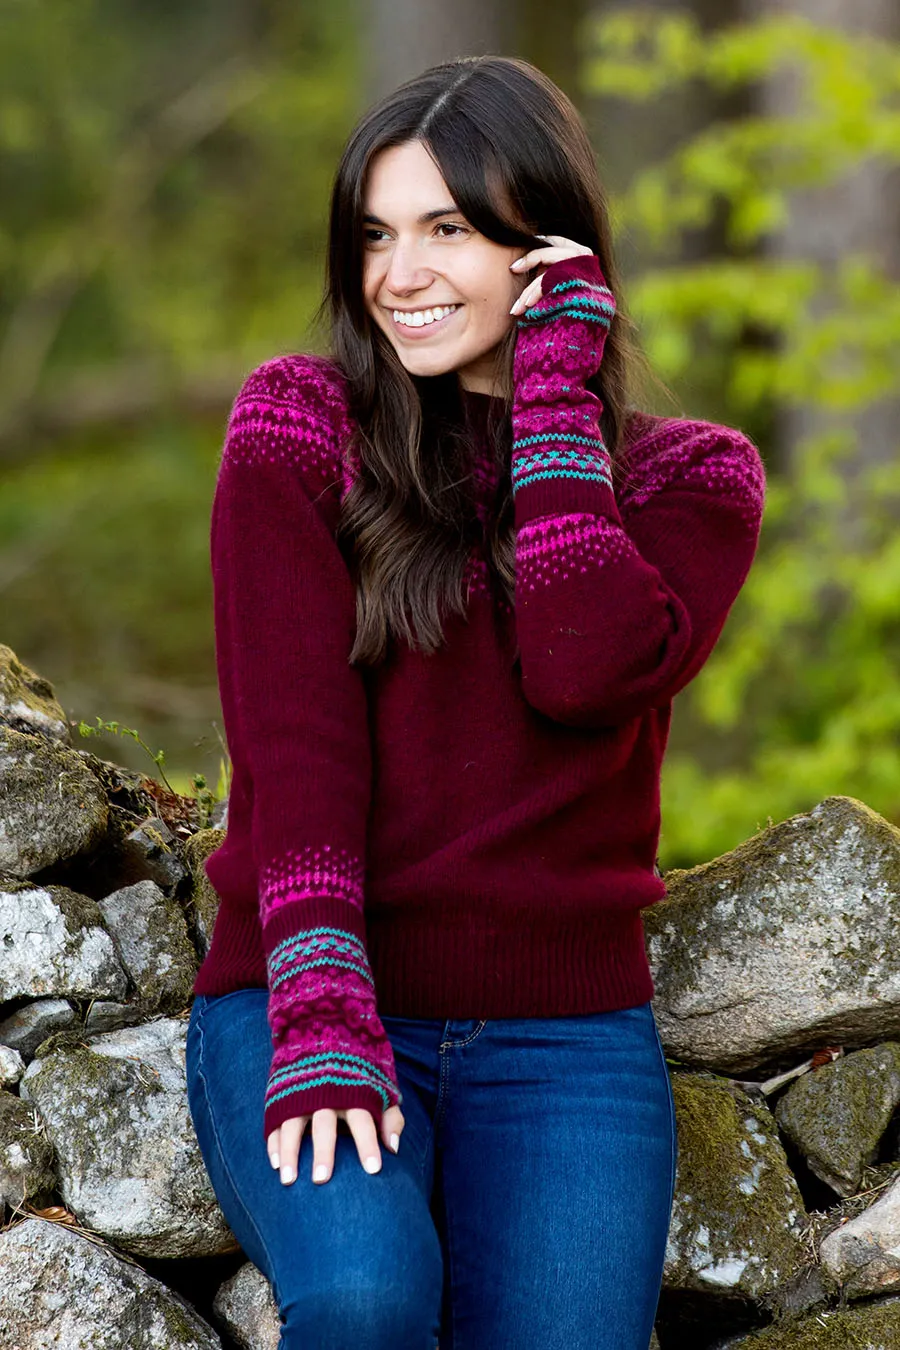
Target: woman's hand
558,248
283,1144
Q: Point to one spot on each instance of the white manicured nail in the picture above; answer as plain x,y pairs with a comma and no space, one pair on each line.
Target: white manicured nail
275,1161
321,1172
395,1142
371,1164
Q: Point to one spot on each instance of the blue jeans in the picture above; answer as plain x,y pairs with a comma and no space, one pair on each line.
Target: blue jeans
527,1208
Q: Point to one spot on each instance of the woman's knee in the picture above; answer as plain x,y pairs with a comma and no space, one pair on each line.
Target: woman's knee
398,1311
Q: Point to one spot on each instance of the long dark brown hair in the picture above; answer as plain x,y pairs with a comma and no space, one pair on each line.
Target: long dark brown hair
516,157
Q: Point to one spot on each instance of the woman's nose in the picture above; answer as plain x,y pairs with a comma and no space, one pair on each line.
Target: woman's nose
405,270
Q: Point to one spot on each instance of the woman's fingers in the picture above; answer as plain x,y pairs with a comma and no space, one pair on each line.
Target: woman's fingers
392,1123
362,1127
283,1144
291,1134
530,296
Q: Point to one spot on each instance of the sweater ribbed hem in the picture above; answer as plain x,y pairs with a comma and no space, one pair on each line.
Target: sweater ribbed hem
590,966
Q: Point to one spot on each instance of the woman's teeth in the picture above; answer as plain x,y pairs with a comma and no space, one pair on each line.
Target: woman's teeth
420,317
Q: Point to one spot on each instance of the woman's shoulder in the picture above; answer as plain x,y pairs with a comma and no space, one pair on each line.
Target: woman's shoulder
293,410
661,452
303,382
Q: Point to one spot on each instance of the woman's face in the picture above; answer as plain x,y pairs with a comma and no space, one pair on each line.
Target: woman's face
438,289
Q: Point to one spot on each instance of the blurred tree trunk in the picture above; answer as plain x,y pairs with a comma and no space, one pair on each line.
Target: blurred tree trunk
405,37
860,213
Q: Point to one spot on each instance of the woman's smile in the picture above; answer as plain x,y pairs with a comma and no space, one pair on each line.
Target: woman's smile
421,323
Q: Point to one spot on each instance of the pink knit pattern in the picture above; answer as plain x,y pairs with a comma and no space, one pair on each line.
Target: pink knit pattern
301,874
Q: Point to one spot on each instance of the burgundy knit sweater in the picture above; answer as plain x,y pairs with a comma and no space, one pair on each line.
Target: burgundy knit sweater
470,833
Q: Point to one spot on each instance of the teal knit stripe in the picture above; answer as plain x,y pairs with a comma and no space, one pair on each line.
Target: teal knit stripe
540,476
576,307
298,967
332,1059
580,285
328,1079
595,442
338,938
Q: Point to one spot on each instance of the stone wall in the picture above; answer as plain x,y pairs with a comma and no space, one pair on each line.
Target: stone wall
777,975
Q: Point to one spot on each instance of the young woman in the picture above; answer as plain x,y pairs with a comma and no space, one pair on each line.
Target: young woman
458,580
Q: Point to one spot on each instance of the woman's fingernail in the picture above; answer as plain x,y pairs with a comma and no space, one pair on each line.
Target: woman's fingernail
321,1172
372,1164
274,1160
518,263
395,1142
287,1173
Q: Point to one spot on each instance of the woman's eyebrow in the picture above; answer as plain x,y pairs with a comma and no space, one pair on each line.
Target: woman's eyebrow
424,219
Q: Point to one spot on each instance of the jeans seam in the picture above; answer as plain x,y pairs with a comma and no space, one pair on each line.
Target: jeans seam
672,1122
225,1168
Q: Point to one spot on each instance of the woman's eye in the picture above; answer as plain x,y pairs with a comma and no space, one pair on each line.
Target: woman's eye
371,235
447,225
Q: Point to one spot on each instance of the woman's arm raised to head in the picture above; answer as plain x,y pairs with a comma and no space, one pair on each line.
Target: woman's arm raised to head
615,615
295,713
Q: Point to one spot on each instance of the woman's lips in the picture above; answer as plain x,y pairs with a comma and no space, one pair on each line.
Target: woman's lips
426,329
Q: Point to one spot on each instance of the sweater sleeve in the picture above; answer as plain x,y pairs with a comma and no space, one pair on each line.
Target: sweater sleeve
295,712
615,615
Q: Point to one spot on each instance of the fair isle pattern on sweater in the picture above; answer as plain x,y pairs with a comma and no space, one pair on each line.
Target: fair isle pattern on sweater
317,977
500,867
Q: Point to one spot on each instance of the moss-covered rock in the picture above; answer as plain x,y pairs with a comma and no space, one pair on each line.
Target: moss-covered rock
873,1327
203,905
51,805
737,1213
28,702
27,1171
129,1163
837,1114
64,1290
783,945
152,939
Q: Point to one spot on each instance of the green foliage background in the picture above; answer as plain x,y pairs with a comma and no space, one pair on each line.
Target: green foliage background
164,175
804,681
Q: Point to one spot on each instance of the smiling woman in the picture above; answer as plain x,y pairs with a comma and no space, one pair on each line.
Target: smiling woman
459,579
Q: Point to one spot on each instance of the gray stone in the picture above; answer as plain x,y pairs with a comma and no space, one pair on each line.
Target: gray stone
129,1164
863,1255
837,1114
12,1066
149,853
151,935
60,1289
785,944
27,701
24,1029
737,1213
27,1169
245,1308
51,805
104,1015
52,941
